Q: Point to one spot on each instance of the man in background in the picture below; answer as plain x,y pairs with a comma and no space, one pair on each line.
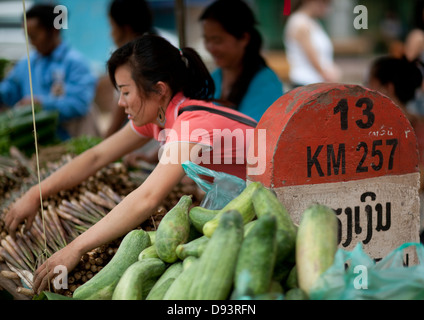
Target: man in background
61,77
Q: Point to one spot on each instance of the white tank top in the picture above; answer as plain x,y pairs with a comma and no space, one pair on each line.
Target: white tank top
302,71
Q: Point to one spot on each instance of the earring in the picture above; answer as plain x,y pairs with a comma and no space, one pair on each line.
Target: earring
161,117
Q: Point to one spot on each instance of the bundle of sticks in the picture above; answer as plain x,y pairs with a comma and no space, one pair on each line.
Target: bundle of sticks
65,216
12,173
61,219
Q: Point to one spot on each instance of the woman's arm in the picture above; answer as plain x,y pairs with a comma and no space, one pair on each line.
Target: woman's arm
127,215
414,44
136,208
71,174
303,36
140,204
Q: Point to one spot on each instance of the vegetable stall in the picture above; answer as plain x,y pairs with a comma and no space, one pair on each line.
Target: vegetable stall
325,219
66,215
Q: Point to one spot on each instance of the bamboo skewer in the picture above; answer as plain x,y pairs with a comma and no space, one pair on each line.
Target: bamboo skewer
25,250
112,194
8,258
55,220
83,217
45,234
67,216
9,275
38,239
100,201
34,249
25,291
18,249
89,205
107,197
44,229
70,231
13,254
51,226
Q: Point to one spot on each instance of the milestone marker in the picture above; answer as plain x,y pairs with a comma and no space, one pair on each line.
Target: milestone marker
349,148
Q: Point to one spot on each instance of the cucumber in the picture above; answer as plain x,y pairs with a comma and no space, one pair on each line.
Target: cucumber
146,288
257,258
291,281
45,134
152,235
139,279
158,291
266,202
216,266
188,261
199,216
173,230
193,248
316,244
102,285
242,203
24,124
149,252
179,289
18,127
248,226
165,281
295,294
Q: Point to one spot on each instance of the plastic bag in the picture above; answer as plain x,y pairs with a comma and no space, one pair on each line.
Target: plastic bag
356,276
222,190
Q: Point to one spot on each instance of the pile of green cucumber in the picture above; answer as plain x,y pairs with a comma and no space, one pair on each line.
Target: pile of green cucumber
250,249
17,128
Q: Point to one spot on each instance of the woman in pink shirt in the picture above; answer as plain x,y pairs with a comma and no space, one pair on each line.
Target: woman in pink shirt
156,81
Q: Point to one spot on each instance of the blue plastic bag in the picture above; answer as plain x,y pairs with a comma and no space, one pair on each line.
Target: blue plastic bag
356,276
221,191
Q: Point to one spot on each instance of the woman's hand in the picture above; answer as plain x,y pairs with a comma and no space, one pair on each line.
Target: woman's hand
27,101
67,257
25,209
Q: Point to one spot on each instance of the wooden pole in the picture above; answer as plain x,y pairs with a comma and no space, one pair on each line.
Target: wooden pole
180,17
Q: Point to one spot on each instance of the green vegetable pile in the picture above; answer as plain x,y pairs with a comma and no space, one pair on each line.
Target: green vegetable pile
17,128
249,250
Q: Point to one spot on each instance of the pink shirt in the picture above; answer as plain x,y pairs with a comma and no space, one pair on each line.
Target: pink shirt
225,141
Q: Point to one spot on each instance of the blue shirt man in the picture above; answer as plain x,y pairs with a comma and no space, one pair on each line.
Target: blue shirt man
61,77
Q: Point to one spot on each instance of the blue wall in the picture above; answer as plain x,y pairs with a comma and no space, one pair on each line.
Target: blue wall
89,31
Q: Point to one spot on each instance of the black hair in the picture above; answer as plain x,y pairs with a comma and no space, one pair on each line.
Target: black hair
45,15
405,76
237,18
418,15
153,59
133,13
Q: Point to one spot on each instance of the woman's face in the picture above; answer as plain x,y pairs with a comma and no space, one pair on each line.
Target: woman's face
116,33
317,8
322,7
139,109
226,50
